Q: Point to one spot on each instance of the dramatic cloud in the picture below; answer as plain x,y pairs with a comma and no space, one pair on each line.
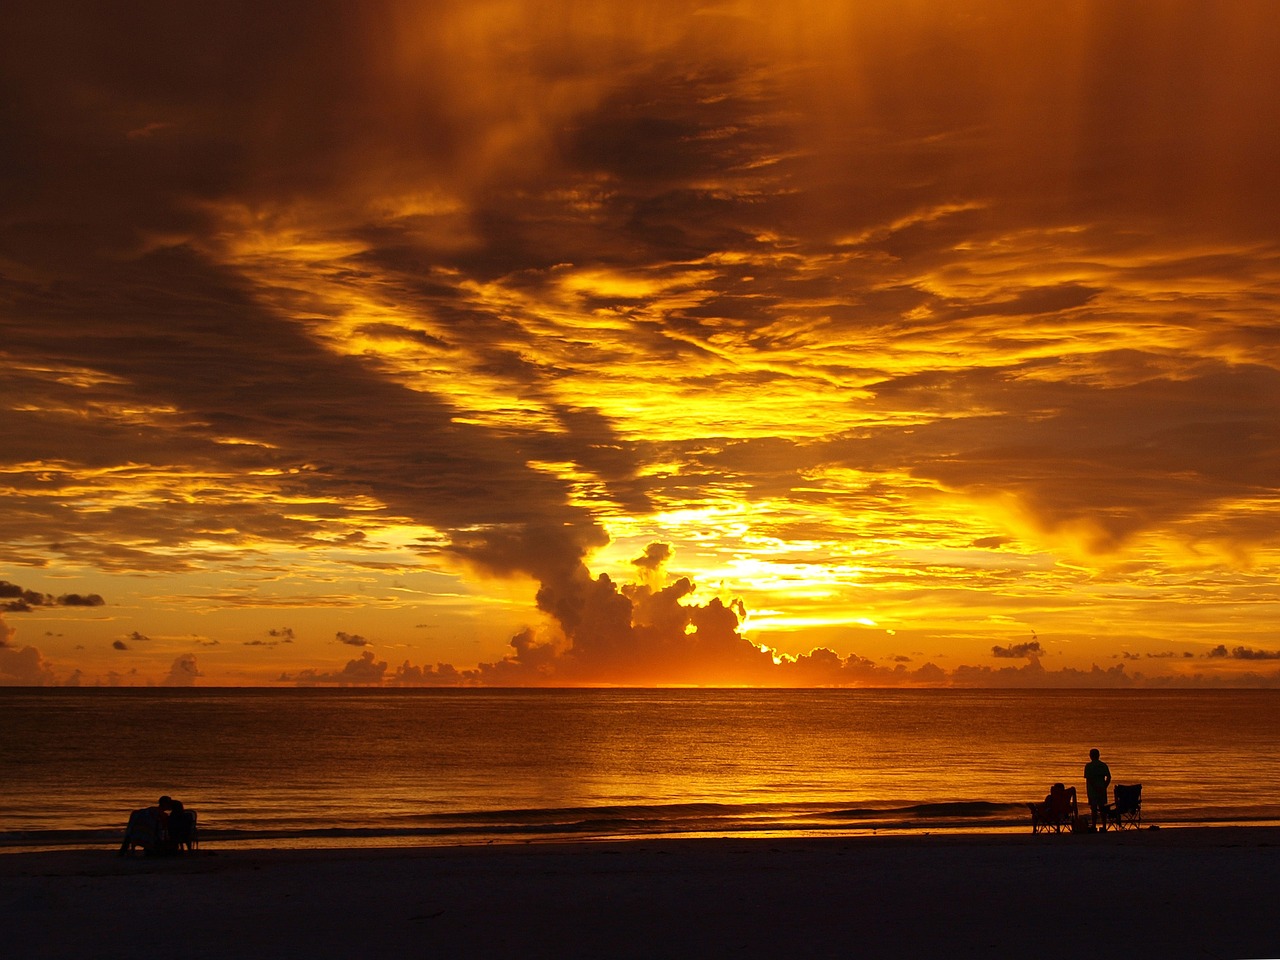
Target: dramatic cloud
887,321
635,633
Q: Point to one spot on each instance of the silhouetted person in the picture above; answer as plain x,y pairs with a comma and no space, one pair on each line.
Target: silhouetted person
1058,810
148,828
164,805
1097,777
180,827
1061,801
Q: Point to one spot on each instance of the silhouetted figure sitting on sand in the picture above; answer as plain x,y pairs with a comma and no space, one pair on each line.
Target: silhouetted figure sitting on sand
146,829
165,828
1059,810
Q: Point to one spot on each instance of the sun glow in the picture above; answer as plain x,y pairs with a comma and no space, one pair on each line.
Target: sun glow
578,343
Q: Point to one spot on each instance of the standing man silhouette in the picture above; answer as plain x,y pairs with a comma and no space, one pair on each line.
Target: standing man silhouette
1097,777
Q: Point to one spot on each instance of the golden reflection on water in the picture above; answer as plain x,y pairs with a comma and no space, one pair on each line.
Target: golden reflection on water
457,766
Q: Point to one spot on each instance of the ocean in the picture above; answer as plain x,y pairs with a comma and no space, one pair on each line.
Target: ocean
315,767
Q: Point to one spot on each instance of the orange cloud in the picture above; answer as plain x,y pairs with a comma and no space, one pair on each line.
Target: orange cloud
945,320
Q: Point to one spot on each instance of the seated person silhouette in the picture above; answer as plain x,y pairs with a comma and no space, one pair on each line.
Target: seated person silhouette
181,827
1059,809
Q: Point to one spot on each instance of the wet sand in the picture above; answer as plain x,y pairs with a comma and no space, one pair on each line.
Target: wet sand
1192,892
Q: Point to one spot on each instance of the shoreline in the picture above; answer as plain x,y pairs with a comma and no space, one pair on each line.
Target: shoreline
410,838
1170,892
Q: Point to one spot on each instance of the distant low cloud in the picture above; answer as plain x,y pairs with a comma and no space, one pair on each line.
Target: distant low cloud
352,639
1018,651
1033,675
183,673
439,675
1242,653
76,600
24,667
277,637
1247,653
119,645
15,599
359,672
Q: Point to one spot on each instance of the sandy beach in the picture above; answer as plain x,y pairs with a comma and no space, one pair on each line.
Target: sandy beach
1192,892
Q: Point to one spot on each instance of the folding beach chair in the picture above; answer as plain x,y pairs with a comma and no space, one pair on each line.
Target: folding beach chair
143,830
183,834
1058,811
1126,812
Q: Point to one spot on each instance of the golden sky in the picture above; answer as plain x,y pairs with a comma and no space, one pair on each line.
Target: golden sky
649,342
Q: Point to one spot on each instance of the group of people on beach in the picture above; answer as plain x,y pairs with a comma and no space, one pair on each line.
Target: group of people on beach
1097,778
166,828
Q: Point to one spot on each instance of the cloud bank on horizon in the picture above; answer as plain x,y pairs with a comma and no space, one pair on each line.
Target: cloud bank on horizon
904,330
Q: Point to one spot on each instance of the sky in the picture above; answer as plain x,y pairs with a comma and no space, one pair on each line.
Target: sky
926,342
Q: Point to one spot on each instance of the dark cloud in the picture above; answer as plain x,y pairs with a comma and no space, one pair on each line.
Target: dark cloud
183,673
1035,675
119,645
1124,459
22,601
992,543
1242,653
364,670
25,667
439,675
76,600
654,556
1018,651
352,639
285,635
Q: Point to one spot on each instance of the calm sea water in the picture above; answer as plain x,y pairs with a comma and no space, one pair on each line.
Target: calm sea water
309,767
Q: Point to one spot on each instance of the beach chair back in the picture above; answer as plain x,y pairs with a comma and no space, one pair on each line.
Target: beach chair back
1128,798
1059,811
1127,810
182,829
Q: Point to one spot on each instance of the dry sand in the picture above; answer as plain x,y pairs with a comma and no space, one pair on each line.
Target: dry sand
1205,892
